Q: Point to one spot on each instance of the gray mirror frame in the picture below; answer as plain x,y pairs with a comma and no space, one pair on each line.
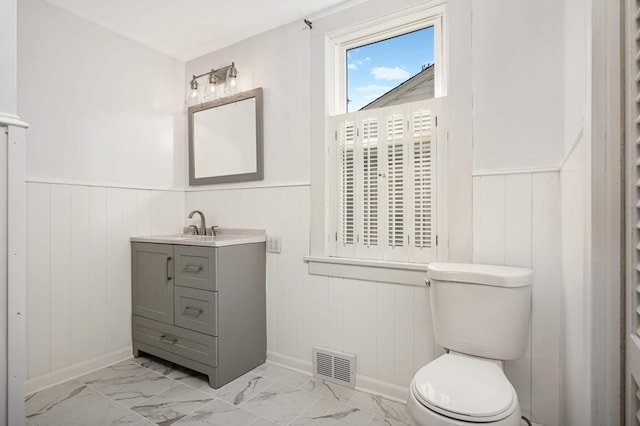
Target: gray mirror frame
241,177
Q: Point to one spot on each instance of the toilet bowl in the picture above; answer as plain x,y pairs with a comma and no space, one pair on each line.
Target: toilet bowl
481,317
457,389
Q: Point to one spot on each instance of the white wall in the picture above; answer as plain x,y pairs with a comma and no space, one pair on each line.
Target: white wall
517,84
8,47
102,109
575,83
106,147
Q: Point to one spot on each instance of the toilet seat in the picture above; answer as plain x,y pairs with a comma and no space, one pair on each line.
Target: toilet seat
465,388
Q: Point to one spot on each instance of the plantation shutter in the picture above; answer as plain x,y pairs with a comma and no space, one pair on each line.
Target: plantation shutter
423,179
346,233
383,182
395,149
633,219
370,188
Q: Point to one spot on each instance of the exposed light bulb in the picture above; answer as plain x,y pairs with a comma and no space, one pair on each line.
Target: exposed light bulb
211,90
231,86
193,97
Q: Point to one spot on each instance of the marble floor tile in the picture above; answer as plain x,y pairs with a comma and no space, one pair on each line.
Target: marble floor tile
279,403
75,404
389,411
103,411
56,399
326,411
121,370
243,388
130,391
259,421
329,390
282,375
386,421
144,422
218,412
172,405
169,394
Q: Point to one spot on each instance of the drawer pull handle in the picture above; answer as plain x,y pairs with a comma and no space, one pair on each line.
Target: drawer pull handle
171,341
192,312
169,277
192,268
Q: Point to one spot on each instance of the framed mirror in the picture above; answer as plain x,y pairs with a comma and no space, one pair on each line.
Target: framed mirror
225,139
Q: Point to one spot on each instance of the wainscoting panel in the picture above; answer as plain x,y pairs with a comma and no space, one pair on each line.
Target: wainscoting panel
79,270
60,199
517,223
79,294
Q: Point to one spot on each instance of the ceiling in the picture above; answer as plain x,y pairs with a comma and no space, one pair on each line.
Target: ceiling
187,29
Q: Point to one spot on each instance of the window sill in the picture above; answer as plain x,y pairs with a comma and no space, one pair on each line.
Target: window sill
369,270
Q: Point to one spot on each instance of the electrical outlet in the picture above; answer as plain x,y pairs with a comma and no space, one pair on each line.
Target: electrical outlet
273,244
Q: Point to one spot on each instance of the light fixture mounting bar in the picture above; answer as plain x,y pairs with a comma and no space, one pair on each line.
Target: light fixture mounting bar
220,74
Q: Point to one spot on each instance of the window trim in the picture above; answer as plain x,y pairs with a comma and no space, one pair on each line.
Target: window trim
385,271
334,31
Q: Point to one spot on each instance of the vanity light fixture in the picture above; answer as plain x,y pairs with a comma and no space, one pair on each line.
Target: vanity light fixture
227,75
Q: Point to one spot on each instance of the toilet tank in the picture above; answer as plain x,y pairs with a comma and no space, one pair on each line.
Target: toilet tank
481,310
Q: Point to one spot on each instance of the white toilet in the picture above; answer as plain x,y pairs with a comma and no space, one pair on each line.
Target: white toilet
481,317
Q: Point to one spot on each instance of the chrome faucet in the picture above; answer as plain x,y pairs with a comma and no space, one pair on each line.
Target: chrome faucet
203,224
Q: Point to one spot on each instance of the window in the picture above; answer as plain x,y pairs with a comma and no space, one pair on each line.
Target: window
384,153
391,71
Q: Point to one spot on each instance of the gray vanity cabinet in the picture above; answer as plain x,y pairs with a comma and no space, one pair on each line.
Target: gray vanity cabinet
200,307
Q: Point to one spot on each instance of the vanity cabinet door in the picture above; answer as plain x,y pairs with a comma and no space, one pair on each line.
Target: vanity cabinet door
152,281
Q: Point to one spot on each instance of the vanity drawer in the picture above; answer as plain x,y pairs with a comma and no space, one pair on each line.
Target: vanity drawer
189,344
195,267
196,309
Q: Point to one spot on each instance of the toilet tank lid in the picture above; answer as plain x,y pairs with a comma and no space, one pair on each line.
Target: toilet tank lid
493,275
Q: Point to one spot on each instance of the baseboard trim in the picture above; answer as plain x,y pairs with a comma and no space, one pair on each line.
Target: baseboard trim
363,383
59,376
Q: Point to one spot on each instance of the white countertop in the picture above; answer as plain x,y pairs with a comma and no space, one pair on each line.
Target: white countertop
224,237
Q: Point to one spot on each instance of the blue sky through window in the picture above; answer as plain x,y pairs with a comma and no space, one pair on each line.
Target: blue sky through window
376,68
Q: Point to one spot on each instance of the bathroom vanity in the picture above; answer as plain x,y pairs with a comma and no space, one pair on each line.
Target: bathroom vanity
199,301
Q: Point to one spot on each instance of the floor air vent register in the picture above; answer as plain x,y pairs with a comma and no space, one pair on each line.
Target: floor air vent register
334,367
